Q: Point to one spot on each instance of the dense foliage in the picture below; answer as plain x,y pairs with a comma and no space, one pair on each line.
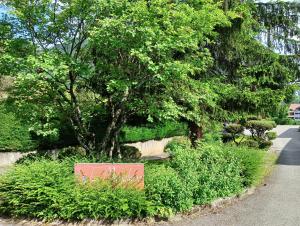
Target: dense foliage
14,135
101,73
191,61
258,128
46,189
232,132
271,135
154,132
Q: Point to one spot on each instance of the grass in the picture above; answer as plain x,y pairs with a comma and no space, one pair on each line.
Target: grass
267,167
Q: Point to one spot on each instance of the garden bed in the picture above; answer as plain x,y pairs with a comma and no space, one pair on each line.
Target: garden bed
45,189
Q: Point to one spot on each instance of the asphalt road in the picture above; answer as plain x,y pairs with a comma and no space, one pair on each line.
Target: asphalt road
275,204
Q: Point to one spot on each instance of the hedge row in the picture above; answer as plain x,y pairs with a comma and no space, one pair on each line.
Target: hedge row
157,132
46,189
14,135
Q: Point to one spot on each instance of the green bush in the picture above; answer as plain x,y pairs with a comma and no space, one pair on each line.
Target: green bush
213,137
129,152
286,121
253,117
166,188
252,161
265,144
169,129
258,128
232,132
271,135
185,160
211,171
257,143
14,135
219,173
47,190
250,143
234,128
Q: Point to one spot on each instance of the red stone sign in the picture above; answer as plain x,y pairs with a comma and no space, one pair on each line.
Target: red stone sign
126,174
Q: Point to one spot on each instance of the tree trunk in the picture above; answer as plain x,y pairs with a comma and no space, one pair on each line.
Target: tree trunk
226,5
110,143
84,137
109,133
195,134
118,118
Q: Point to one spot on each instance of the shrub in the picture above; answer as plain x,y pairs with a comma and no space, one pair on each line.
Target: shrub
210,171
216,170
186,161
253,117
258,128
252,161
14,135
213,137
169,129
47,190
219,173
250,143
232,132
166,188
286,121
69,152
31,157
271,135
129,152
75,152
265,144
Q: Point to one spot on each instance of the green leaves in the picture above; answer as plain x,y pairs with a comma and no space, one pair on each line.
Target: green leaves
47,189
154,48
14,135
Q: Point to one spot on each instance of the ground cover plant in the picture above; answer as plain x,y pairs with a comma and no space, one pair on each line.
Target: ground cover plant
46,188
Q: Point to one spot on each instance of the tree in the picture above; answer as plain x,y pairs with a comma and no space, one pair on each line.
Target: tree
58,32
120,58
280,21
196,61
14,48
254,79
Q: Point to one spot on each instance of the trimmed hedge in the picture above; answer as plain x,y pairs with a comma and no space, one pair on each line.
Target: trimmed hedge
169,129
286,121
14,135
271,135
258,128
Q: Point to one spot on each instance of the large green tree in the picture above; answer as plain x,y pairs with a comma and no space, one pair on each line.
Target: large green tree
193,60
122,58
252,77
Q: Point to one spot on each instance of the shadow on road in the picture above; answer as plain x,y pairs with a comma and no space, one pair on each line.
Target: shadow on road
290,155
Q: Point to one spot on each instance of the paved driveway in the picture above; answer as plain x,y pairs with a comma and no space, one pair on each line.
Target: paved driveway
277,203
